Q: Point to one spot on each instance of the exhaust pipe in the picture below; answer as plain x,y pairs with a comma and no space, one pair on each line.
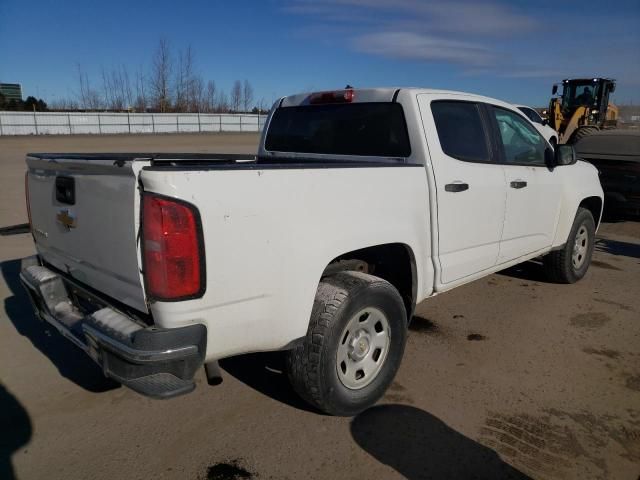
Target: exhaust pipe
214,375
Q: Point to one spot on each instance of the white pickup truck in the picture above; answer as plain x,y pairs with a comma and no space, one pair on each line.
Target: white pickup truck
359,204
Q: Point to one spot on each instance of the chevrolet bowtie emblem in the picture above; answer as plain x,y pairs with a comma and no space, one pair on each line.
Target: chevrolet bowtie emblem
66,218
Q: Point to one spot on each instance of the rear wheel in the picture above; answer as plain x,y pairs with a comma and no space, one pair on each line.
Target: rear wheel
571,263
354,344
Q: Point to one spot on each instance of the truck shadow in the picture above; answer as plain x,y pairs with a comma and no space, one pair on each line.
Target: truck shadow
15,431
533,270
614,247
266,373
70,361
419,446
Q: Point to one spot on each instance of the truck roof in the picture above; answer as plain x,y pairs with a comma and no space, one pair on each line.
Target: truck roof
384,94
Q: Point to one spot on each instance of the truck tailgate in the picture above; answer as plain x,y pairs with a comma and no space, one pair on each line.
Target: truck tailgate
85,218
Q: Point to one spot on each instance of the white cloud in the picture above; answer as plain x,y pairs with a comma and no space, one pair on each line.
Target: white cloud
454,16
423,47
420,30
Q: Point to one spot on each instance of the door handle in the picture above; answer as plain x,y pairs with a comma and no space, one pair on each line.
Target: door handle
456,187
518,184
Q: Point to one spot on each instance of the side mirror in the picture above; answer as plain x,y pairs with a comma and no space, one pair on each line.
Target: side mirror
612,88
545,122
565,155
554,89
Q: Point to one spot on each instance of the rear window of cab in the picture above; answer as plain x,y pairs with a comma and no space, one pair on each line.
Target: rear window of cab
365,129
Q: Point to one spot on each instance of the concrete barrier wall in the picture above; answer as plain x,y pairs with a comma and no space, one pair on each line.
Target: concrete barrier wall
72,123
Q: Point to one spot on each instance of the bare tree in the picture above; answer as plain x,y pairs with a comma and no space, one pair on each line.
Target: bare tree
83,83
112,93
117,88
261,105
180,87
236,96
89,98
170,84
222,104
210,97
141,93
189,86
247,95
160,77
125,83
197,94
64,104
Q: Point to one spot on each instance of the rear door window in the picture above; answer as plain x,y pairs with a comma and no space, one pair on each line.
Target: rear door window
461,130
367,129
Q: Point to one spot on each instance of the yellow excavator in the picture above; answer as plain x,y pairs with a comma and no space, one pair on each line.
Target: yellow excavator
583,108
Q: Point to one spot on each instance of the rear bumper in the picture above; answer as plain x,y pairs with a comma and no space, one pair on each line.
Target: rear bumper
155,362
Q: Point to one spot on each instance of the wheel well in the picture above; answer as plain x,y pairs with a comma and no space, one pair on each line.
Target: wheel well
594,205
393,262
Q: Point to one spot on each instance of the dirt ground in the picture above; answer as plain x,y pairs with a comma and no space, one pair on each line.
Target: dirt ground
507,377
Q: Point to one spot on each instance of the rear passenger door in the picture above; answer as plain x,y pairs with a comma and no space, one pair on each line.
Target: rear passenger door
469,184
533,190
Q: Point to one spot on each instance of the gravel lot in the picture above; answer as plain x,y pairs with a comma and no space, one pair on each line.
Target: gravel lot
508,377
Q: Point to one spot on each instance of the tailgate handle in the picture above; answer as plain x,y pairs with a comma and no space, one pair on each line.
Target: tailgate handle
66,190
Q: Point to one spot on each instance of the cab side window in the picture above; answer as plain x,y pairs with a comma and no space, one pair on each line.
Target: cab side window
460,130
521,143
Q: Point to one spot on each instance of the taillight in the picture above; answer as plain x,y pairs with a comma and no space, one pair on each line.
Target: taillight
26,196
338,96
173,253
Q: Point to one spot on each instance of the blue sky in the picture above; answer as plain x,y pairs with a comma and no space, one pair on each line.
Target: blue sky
513,50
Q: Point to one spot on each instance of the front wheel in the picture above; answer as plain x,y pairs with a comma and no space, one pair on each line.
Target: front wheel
582,132
571,263
354,344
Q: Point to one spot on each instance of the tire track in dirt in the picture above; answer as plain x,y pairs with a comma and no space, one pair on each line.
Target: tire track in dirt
548,446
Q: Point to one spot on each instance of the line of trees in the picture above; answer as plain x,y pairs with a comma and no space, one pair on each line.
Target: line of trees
31,104
171,84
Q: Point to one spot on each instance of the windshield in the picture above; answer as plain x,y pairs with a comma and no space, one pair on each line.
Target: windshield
368,129
576,94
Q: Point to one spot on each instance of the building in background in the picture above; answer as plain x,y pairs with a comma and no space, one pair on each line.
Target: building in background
11,91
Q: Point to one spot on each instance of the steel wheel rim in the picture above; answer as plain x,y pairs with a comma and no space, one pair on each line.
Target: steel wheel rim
363,348
580,247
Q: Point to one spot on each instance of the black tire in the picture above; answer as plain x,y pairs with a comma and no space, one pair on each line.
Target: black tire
582,132
559,265
554,142
313,366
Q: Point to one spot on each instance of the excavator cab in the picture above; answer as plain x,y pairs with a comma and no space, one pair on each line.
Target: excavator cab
582,108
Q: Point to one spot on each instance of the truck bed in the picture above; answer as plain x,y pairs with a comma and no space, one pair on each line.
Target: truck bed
93,238
218,160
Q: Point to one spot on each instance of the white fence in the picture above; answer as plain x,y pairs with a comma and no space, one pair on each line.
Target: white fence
68,123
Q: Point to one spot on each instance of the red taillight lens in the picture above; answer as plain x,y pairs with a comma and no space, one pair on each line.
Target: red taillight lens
172,249
26,196
339,96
